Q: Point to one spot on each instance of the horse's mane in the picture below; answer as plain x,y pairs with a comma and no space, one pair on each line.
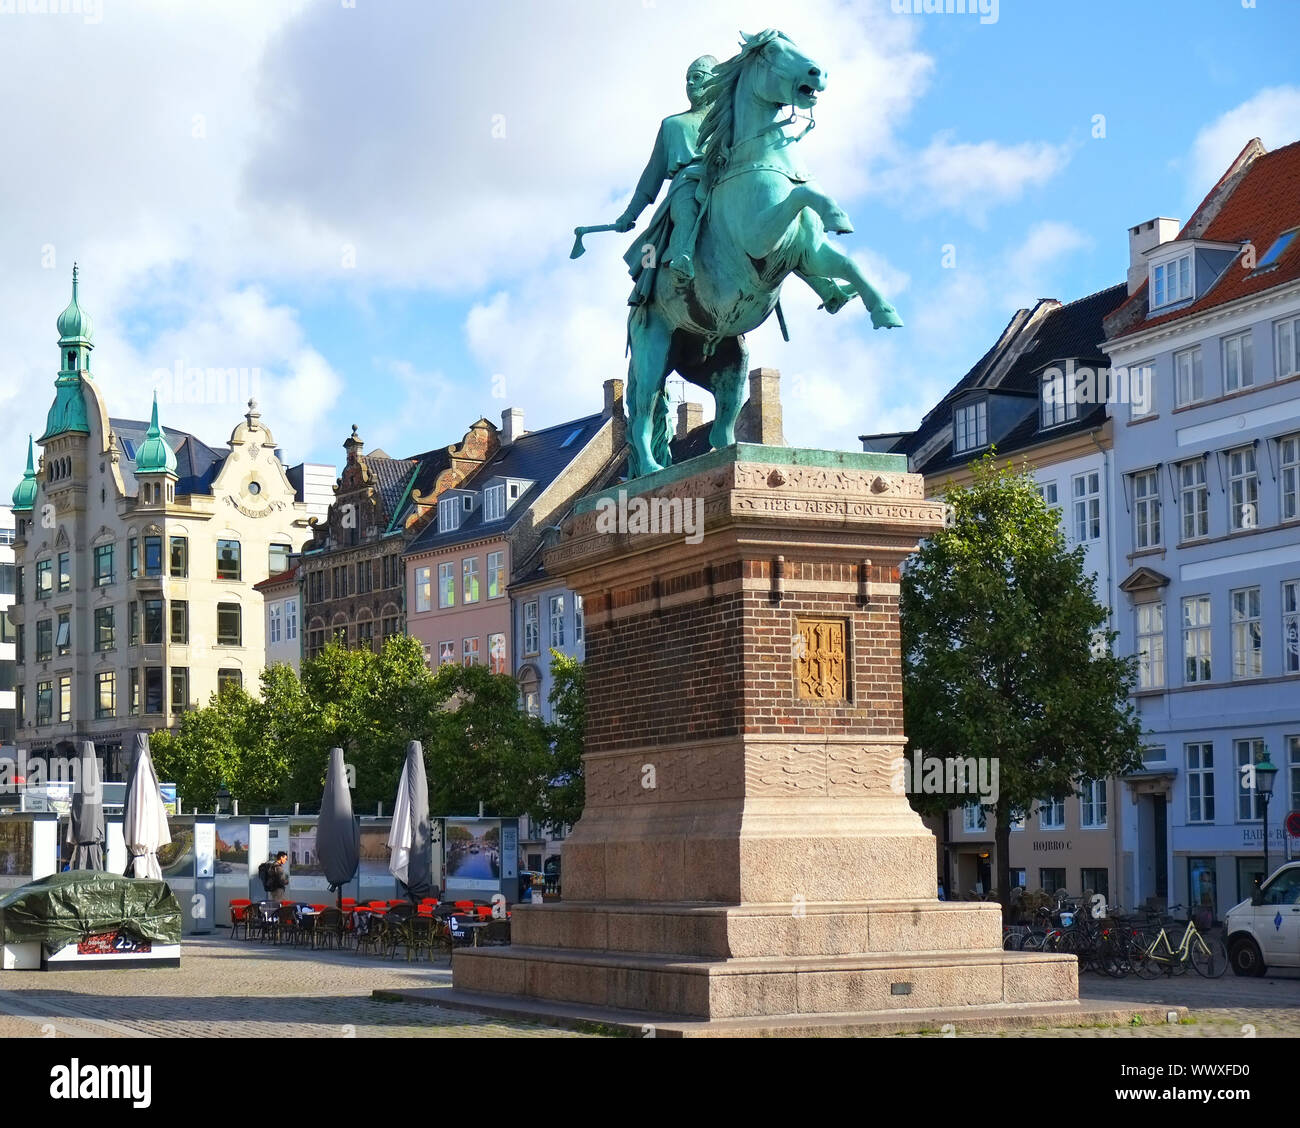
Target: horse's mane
717,130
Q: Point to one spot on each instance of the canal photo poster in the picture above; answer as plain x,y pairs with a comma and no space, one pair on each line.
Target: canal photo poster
473,854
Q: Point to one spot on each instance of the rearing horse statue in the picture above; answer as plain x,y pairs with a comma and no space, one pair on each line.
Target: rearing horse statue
761,220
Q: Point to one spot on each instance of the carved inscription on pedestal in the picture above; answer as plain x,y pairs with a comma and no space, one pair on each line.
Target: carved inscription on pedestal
820,668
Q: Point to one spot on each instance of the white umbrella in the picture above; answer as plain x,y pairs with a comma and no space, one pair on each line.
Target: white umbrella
411,861
144,818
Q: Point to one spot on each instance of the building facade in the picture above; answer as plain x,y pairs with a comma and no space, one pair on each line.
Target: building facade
1207,545
282,611
137,551
1034,398
350,576
8,634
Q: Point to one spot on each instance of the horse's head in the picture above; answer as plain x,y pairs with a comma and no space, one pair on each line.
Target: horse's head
783,74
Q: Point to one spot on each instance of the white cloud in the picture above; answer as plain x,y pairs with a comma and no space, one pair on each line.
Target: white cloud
1272,115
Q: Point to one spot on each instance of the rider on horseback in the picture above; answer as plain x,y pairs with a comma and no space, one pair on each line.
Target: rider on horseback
675,158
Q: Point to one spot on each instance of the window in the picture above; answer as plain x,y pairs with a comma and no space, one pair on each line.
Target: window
1017,877
153,622
970,426
579,623
469,569
447,652
532,628
1291,631
1153,754
133,623
180,689
153,557
1048,492
228,560
1051,814
153,690
1288,450
449,509
105,694
494,503
132,558
1200,783
1171,282
291,621
365,576
229,678
134,703
469,652
1086,489
1250,804
65,699
103,565
1146,509
496,574
447,584
180,621
973,817
423,590
1196,639
556,605
1092,805
18,584
1293,758
1238,363
1276,251
496,648
1243,489
44,640
274,623
366,635
1059,400
1151,645
1142,389
1051,879
1247,637
179,557
44,702
63,635
229,626
1286,336
391,626
65,572
1098,880
1194,499
44,579
1189,377
279,558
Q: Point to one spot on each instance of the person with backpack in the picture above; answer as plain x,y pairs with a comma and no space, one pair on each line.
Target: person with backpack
274,879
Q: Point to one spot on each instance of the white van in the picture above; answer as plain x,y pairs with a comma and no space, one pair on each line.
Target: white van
1264,931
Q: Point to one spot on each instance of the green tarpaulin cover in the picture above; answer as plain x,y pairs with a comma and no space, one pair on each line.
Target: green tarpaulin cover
64,907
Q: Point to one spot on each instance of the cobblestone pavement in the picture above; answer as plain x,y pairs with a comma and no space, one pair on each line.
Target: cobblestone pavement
228,988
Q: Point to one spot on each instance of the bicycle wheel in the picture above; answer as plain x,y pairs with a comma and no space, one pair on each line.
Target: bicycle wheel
1144,961
1209,956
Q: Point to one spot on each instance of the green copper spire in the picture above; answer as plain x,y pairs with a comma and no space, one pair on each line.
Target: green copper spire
74,322
25,492
68,412
154,455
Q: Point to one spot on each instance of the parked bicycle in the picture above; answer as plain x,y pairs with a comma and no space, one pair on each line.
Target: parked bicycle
1206,955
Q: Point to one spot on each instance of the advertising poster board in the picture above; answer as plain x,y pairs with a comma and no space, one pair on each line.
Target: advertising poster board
472,854
15,849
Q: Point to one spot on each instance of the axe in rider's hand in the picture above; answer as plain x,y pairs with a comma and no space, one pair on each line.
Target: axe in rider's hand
578,249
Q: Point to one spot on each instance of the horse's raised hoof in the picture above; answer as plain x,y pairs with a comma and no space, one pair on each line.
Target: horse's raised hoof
837,222
885,316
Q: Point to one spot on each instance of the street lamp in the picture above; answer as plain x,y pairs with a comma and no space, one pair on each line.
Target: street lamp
1265,774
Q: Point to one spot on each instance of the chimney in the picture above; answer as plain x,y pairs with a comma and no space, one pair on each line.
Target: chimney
353,445
1141,239
760,418
512,425
689,416
613,398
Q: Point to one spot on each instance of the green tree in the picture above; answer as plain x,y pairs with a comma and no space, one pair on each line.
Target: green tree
1006,654
562,798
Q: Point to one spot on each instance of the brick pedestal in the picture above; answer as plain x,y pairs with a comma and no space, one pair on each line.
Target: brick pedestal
746,847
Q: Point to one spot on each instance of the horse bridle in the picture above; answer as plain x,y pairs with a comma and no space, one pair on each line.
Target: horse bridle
794,90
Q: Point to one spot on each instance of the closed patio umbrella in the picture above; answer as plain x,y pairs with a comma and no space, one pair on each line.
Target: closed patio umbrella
86,826
410,839
144,818
338,838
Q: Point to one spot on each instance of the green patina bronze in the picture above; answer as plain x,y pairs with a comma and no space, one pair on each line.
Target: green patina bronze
741,214
76,340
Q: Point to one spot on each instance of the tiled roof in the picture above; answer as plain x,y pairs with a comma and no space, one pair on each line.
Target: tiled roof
1264,203
536,456
392,475
279,578
197,464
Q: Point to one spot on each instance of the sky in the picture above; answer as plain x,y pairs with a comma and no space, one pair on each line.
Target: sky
369,204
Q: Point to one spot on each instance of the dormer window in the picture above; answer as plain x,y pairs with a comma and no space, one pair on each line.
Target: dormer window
1059,397
449,509
970,426
1277,250
1171,281
494,503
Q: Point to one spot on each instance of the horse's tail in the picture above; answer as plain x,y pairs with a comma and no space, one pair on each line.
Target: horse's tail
660,434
